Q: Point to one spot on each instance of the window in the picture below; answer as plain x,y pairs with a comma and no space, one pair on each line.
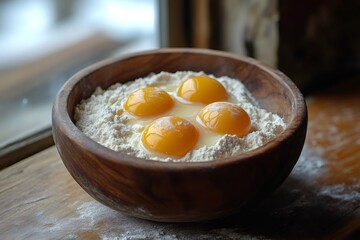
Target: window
44,42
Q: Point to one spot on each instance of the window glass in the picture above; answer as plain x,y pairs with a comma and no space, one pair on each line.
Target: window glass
44,42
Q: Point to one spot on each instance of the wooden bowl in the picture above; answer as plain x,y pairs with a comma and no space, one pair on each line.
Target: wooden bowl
180,192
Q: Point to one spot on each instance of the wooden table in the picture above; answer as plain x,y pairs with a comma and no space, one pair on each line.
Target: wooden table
319,200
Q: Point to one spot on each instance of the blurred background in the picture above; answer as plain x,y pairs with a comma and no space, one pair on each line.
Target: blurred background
44,42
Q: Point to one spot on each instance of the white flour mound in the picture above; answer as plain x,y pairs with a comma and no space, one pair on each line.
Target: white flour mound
101,118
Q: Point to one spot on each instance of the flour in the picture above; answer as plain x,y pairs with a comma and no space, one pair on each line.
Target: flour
102,118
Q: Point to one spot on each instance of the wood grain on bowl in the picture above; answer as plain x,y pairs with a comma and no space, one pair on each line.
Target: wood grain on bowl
165,191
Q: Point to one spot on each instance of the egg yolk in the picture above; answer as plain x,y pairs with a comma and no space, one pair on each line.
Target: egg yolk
149,101
170,135
202,89
225,118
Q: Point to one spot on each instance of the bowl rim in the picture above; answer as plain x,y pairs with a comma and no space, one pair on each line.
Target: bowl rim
68,127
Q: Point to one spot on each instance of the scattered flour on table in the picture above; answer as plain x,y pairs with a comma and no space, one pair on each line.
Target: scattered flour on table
101,117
